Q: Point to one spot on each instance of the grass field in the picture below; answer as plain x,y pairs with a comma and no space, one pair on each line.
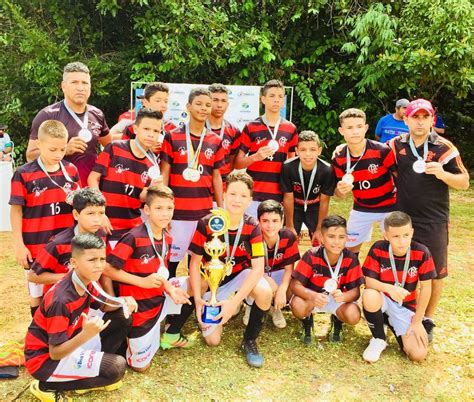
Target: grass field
293,371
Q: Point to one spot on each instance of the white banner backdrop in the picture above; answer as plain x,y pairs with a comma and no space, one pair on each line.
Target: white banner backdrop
244,102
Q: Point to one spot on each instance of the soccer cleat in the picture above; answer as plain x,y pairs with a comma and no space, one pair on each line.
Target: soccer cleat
429,325
277,318
336,328
45,396
374,350
170,341
254,358
307,327
245,318
110,387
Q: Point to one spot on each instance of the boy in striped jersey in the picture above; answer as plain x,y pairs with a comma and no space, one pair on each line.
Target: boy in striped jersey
327,279
392,270
64,349
53,261
281,253
123,172
363,167
39,191
265,144
139,265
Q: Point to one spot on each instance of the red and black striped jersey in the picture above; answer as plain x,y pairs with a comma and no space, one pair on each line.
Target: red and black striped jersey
129,132
266,173
250,244
422,196
290,182
56,254
134,254
286,254
57,320
374,187
312,271
192,200
45,210
377,266
123,178
230,142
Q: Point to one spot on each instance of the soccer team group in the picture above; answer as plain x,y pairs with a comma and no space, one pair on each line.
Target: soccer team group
101,236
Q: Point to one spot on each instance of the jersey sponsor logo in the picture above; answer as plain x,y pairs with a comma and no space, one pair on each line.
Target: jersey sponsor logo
373,168
225,143
383,268
412,271
430,156
282,141
258,140
144,176
38,191
242,246
316,189
279,256
208,153
182,151
145,258
119,169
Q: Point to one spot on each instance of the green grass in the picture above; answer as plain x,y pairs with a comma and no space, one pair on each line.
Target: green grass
293,371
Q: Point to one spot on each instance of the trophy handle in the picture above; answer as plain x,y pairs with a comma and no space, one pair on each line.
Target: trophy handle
203,272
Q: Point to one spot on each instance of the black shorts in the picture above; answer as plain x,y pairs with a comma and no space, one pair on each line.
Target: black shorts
309,218
435,237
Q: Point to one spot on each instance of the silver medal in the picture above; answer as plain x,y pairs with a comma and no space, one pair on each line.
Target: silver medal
187,174
195,175
348,178
85,134
419,166
154,172
273,144
330,285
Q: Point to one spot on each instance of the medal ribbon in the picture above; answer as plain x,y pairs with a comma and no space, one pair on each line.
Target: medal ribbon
164,248
221,134
193,156
275,129
275,251
82,124
350,169
311,180
415,152
63,169
394,267
229,256
335,273
150,156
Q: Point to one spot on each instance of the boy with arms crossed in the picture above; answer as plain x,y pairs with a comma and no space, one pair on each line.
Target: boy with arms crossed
53,261
39,207
327,279
364,167
307,184
281,253
428,165
392,270
190,161
123,172
265,144
62,344
138,264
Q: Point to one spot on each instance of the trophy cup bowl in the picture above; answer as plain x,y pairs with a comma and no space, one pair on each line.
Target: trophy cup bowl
215,270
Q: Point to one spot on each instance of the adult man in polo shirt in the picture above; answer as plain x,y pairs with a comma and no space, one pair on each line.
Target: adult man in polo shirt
428,165
85,123
392,125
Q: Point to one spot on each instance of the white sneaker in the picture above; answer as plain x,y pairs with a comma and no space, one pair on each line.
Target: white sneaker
277,318
245,318
374,350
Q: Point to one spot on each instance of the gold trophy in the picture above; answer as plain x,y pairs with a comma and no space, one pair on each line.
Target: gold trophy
214,271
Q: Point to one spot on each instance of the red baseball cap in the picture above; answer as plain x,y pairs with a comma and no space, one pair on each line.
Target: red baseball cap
419,104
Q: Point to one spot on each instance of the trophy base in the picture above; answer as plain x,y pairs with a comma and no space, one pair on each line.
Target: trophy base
209,313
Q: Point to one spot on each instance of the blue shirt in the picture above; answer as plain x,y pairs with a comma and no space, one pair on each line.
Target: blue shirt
388,127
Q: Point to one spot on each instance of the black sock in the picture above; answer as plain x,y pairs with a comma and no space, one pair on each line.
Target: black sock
255,323
172,267
33,310
375,323
308,321
177,321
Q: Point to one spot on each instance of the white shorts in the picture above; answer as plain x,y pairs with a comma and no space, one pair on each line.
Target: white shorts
80,364
141,350
331,307
34,289
359,226
277,276
225,291
399,317
182,233
252,209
